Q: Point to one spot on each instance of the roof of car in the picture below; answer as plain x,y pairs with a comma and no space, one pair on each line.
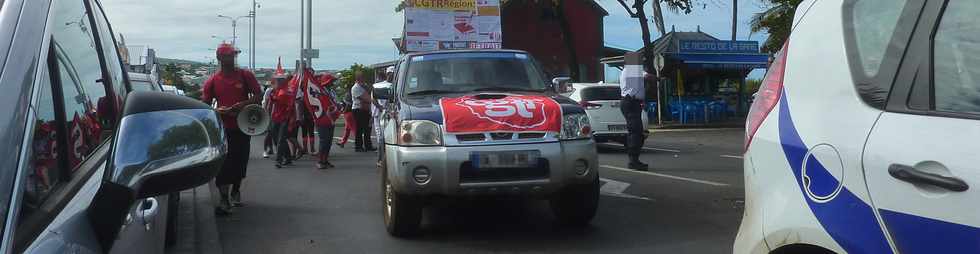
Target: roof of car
465,51
139,76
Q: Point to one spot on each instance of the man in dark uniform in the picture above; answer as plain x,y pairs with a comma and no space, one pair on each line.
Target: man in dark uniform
232,88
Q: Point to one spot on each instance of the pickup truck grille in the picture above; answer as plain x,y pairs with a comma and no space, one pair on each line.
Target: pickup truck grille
499,136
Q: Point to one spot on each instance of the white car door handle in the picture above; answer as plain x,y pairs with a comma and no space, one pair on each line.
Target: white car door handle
148,211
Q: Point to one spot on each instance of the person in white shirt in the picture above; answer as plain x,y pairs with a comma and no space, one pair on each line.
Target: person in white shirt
379,104
361,105
632,83
269,143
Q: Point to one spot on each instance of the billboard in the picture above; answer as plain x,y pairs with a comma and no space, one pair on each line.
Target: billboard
452,24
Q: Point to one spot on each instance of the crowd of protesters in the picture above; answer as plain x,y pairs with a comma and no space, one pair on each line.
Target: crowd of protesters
304,110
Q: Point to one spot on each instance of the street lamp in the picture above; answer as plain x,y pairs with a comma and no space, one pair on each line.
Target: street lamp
234,26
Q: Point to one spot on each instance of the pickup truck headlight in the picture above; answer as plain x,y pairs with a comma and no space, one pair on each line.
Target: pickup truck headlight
575,126
419,133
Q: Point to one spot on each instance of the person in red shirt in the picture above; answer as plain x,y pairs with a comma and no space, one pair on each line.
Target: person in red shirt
321,102
232,89
282,117
350,124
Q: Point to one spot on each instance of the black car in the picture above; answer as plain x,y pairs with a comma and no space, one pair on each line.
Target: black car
87,161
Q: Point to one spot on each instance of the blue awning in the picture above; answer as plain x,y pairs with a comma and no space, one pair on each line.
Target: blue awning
746,61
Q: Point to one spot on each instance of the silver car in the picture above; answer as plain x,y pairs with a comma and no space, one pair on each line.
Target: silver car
87,164
454,129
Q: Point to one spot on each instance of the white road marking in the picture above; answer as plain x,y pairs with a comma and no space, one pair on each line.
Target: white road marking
732,156
705,182
648,148
615,188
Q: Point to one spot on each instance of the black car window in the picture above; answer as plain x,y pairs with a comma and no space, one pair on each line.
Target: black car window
42,173
89,111
956,55
112,59
601,94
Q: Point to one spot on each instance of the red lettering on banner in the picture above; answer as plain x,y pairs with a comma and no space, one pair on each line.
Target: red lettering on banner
512,113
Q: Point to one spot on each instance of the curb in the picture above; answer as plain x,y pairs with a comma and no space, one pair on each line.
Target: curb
196,227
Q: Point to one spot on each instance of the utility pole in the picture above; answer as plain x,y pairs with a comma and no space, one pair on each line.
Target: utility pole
252,42
309,32
302,34
734,19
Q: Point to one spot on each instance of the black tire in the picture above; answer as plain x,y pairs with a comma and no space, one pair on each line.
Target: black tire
173,208
402,213
576,205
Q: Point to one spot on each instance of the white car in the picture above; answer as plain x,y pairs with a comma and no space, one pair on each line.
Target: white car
864,137
601,103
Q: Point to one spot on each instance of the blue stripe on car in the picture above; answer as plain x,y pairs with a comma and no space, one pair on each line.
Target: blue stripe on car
850,221
914,234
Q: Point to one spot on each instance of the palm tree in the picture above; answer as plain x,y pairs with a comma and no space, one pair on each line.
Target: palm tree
777,21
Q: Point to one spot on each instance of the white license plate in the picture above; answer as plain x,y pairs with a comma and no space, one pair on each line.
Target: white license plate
617,127
508,159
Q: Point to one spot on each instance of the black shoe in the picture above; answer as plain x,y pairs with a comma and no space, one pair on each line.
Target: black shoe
371,149
321,166
329,165
359,150
278,165
288,163
236,199
221,212
639,166
341,145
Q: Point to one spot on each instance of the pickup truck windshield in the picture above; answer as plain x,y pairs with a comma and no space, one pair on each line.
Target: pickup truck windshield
466,72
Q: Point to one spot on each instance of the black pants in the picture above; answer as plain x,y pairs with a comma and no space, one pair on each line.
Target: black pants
281,133
236,162
632,110
362,138
326,141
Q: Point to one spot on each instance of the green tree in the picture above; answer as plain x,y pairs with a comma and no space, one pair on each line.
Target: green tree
777,21
637,11
347,79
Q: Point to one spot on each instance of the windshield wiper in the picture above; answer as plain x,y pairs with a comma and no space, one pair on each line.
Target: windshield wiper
429,92
506,89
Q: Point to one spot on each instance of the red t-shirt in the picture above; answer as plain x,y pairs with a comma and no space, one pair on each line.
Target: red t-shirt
282,104
228,90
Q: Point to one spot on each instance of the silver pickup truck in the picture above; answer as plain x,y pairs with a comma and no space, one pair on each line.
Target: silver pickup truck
482,123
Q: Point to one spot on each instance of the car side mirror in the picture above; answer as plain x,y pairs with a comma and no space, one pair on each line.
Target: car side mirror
558,84
383,93
166,143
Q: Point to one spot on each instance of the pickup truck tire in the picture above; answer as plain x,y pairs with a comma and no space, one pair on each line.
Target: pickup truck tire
402,213
576,205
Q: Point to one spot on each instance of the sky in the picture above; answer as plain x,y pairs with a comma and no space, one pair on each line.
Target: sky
348,31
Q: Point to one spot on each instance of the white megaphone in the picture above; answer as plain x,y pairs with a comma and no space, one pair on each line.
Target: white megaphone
253,120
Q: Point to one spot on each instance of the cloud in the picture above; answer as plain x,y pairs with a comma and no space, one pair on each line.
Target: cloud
345,31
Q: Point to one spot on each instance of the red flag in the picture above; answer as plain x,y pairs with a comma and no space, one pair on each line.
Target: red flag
515,113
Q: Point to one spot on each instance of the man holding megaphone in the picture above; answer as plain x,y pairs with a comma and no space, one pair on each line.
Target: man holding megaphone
233,89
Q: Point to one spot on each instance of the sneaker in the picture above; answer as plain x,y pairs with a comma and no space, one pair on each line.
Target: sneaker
341,145
638,166
321,165
288,163
328,164
266,154
278,165
221,212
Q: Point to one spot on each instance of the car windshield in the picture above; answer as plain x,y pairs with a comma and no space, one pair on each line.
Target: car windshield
606,93
140,85
468,72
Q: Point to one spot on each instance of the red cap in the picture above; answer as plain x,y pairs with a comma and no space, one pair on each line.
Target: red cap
227,49
327,79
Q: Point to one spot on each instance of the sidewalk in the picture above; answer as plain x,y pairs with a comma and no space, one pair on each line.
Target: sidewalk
197,231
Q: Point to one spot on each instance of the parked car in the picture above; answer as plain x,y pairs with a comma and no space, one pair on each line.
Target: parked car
482,123
143,82
864,135
88,163
601,103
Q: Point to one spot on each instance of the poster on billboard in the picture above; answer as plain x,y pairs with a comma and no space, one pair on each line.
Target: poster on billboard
452,24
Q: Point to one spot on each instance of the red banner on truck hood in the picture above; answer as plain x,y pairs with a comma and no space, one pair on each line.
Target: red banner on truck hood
515,113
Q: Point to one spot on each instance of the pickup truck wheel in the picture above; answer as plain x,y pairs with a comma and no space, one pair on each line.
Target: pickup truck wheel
402,213
576,205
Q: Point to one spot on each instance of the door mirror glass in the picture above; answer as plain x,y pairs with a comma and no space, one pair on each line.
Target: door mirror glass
558,84
166,143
